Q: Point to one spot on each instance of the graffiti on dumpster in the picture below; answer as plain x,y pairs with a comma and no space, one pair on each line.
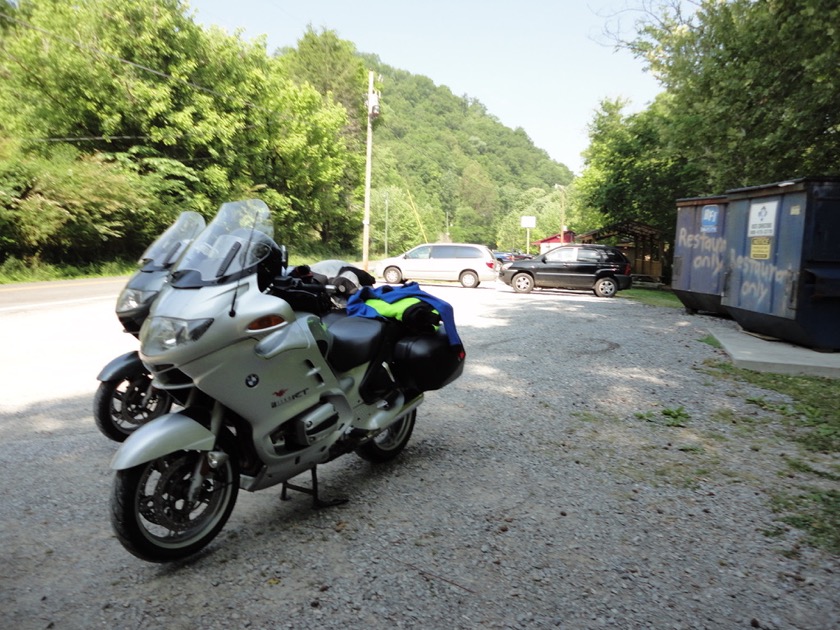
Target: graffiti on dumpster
757,276
707,251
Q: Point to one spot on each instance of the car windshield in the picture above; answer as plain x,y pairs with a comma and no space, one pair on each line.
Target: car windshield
173,242
230,248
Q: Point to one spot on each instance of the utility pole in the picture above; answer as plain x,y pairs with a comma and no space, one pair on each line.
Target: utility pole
372,112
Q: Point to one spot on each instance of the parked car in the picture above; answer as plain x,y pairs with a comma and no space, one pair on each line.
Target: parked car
466,263
599,268
504,257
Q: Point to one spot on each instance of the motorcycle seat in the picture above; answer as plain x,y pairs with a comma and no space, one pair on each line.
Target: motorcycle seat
355,341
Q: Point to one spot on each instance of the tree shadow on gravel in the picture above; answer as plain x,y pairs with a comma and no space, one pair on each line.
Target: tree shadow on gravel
49,418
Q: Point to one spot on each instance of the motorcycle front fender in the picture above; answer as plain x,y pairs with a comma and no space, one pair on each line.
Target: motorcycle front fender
124,365
169,433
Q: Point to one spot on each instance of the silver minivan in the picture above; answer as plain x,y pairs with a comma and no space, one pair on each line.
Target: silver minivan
466,263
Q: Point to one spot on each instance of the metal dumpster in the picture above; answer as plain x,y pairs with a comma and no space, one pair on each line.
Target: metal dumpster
700,253
782,269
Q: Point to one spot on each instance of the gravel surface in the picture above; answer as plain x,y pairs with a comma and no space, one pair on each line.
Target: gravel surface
532,495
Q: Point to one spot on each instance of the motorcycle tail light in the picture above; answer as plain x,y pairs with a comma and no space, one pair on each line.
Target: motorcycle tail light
265,322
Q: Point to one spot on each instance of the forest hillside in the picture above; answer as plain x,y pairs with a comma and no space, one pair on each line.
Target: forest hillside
117,115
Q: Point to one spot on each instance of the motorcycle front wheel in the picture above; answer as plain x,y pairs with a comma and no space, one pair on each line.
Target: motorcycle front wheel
390,442
120,406
159,517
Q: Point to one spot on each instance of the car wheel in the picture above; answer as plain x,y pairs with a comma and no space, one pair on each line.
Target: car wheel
522,283
469,279
392,275
605,287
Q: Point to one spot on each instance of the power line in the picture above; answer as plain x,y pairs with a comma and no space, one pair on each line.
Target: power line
85,138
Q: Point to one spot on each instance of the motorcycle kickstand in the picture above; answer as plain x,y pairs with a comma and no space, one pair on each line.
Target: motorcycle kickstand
317,501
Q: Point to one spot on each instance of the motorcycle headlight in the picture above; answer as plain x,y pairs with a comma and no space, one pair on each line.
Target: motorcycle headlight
160,334
133,299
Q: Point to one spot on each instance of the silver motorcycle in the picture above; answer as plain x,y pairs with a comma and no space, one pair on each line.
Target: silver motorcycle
279,381
126,398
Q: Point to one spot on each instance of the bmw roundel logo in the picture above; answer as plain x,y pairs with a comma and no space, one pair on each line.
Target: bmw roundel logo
252,380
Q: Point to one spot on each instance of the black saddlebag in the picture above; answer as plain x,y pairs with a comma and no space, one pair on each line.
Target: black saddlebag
426,362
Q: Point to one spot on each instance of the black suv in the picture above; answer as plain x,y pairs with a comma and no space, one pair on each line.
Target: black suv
599,268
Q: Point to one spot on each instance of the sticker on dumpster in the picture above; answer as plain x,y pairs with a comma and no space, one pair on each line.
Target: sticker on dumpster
760,248
709,219
762,218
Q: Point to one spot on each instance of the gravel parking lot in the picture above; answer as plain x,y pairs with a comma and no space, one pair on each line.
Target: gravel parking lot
543,489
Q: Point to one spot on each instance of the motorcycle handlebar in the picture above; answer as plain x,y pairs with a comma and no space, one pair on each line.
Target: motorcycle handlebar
339,287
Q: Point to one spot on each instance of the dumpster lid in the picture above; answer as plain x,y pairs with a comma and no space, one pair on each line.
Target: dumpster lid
783,184
694,201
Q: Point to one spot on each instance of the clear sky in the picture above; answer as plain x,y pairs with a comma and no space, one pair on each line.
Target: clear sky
543,65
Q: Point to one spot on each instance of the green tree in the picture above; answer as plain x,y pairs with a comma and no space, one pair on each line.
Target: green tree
398,220
67,208
131,84
632,173
332,66
551,210
752,86
476,214
192,117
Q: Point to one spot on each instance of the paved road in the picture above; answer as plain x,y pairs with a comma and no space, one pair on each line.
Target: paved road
31,296
55,337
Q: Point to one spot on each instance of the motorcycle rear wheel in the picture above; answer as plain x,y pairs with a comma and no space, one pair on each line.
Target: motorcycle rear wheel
151,511
120,406
390,443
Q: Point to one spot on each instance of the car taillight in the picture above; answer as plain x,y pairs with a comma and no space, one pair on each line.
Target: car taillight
627,269
491,265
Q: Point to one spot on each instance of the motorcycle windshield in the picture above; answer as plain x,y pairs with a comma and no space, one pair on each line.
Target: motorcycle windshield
167,247
230,247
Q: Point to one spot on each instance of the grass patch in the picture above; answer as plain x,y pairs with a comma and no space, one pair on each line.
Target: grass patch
815,512
712,341
813,419
814,414
670,417
587,416
13,270
676,417
681,474
652,297
804,467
